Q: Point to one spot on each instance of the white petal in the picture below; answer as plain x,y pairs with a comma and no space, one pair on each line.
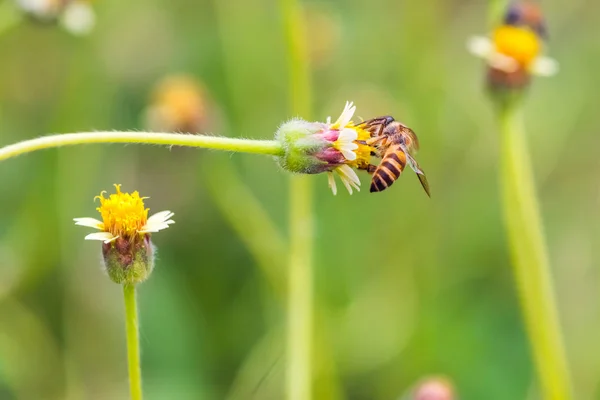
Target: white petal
158,222
347,136
544,66
480,46
106,237
156,227
91,222
348,154
349,173
348,177
503,63
160,217
331,180
349,146
346,115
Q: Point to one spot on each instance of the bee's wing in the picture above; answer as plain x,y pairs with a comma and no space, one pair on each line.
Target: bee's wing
374,122
420,174
413,140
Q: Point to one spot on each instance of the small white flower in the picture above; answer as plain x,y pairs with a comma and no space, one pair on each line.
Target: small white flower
157,222
124,215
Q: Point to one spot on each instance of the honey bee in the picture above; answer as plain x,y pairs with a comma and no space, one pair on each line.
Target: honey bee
393,143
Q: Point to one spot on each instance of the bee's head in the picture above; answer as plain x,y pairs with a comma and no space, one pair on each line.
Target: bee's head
526,14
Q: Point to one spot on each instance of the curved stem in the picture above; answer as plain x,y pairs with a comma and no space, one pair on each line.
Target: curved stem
269,147
133,342
530,260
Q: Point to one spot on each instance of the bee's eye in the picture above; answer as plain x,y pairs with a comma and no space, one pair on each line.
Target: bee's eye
513,16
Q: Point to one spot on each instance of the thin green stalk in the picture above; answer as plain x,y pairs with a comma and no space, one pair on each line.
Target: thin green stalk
268,147
530,260
297,57
300,303
133,342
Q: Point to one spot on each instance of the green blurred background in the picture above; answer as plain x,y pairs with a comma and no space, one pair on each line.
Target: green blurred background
405,286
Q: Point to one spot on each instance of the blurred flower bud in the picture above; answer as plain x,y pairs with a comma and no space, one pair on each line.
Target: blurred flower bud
434,388
179,103
125,231
315,147
76,16
42,10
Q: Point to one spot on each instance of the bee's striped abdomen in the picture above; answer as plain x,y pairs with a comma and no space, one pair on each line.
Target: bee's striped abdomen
390,168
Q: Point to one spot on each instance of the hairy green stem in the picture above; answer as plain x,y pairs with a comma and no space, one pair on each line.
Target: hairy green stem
133,342
300,294
268,147
529,258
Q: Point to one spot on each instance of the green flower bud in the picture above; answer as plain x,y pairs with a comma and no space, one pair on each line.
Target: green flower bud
302,143
129,262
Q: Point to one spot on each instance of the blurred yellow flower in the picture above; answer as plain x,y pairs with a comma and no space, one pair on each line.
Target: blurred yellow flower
514,50
179,103
124,216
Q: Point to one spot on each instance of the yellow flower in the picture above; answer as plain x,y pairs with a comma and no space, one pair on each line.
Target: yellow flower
349,143
512,49
520,44
124,216
179,103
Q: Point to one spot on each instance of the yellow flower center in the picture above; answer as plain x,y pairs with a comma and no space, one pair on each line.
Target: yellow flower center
521,44
363,153
123,214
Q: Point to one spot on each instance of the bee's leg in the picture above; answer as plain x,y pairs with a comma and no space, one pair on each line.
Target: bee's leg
371,168
372,141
